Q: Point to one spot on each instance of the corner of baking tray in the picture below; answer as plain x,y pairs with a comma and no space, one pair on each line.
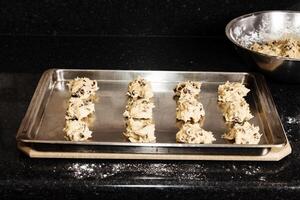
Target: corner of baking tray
26,121
266,93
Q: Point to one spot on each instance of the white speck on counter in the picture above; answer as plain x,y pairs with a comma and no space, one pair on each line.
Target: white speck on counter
81,171
262,178
234,167
293,120
251,171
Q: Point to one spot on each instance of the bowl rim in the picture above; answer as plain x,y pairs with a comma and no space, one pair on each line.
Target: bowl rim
229,25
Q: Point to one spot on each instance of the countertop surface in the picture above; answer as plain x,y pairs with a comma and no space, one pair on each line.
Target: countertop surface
22,61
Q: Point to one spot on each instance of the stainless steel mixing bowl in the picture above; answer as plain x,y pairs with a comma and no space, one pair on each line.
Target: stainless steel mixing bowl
261,27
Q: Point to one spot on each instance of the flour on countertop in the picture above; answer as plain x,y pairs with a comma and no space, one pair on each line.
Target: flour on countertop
293,120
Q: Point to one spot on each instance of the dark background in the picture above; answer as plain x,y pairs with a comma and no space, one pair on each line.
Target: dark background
128,17
124,34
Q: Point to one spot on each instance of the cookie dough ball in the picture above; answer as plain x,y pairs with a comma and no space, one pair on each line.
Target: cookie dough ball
140,130
188,88
231,92
77,130
137,137
139,109
139,88
238,111
194,134
83,87
79,109
140,139
244,134
189,110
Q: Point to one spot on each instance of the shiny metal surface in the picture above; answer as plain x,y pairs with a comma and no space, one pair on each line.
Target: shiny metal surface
261,27
44,120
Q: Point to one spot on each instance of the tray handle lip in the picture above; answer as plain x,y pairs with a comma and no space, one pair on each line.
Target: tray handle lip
25,123
262,84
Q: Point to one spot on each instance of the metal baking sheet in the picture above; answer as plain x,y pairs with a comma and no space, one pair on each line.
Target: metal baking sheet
44,120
